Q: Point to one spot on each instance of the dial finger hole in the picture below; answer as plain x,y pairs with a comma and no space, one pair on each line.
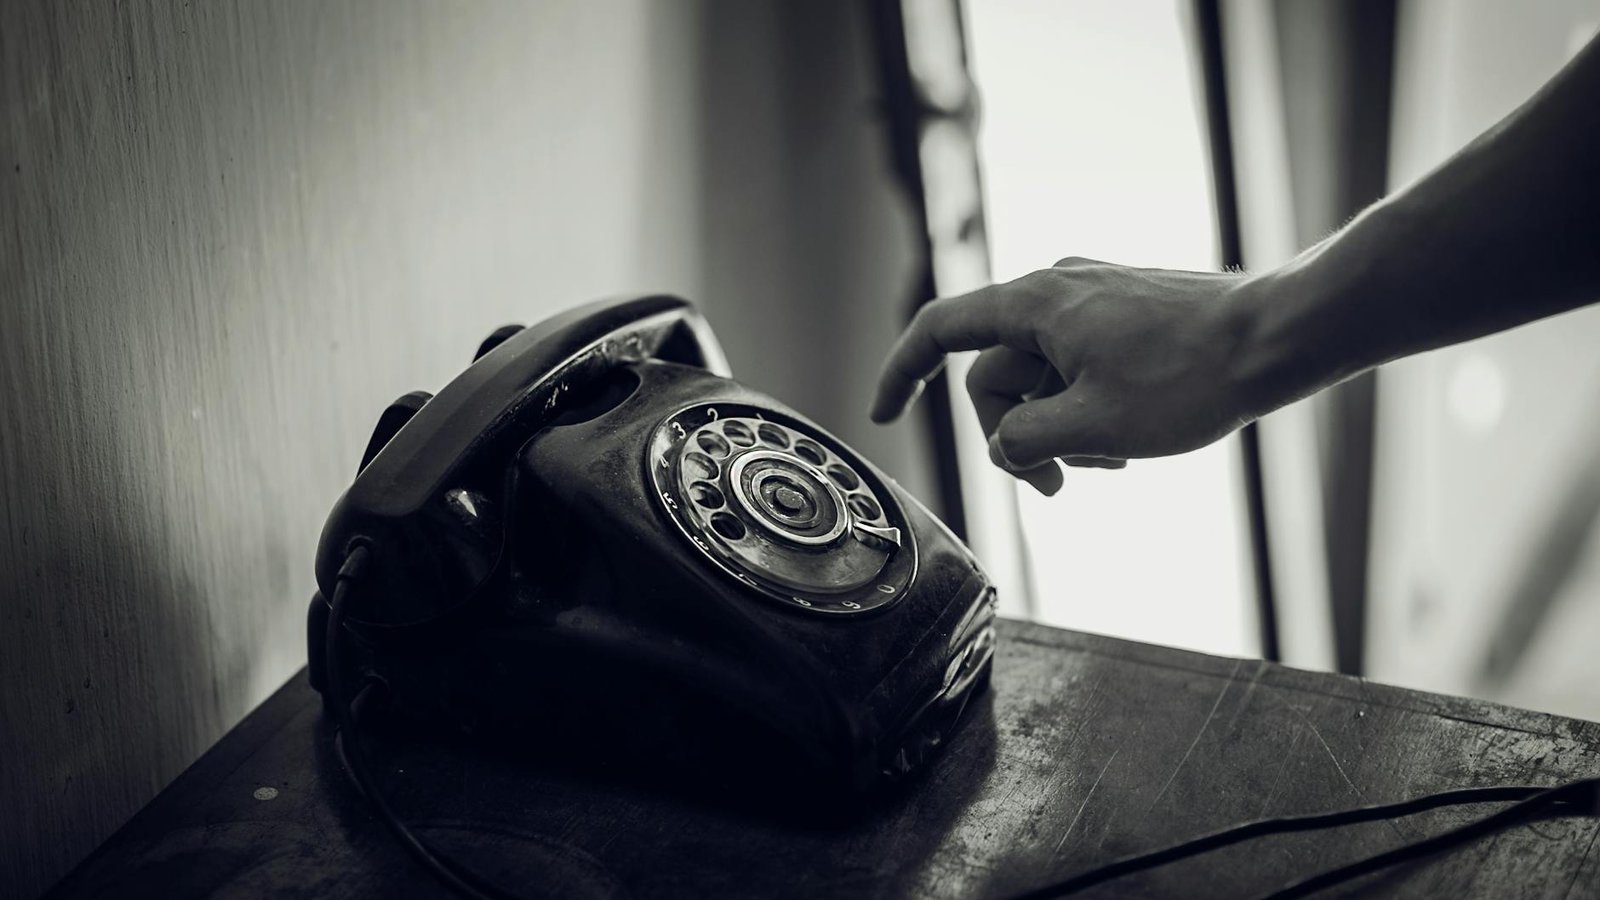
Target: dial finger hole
809,451
772,434
739,433
712,443
706,495
864,507
728,526
843,477
699,466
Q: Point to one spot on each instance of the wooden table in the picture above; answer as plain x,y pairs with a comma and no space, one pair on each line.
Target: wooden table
1089,749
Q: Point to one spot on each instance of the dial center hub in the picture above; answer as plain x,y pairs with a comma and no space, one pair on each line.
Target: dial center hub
788,499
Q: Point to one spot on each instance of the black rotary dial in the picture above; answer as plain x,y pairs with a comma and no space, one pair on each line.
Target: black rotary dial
782,507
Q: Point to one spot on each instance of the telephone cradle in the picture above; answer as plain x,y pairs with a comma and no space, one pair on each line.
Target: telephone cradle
593,535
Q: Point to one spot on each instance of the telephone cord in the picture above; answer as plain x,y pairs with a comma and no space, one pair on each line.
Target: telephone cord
1580,797
458,877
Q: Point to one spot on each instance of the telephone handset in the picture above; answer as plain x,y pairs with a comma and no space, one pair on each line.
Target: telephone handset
594,531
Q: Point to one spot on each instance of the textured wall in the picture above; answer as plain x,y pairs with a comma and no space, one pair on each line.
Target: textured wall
229,233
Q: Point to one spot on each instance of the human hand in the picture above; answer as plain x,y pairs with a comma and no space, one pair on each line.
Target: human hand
1087,362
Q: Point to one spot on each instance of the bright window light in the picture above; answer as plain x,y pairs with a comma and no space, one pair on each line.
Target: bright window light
1092,145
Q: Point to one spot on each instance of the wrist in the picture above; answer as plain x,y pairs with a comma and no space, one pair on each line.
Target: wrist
1281,353
1332,312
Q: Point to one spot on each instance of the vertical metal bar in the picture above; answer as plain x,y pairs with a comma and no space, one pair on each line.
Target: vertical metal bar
1337,60
903,114
1208,28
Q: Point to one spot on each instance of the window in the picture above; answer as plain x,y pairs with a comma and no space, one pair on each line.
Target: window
1092,144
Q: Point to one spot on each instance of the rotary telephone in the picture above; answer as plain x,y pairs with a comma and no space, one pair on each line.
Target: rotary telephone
593,532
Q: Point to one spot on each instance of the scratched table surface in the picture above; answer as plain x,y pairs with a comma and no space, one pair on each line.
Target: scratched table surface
1087,750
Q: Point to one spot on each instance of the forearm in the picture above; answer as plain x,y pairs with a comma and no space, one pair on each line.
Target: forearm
1506,232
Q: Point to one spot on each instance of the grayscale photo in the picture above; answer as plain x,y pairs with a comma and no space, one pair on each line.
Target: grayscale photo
797,449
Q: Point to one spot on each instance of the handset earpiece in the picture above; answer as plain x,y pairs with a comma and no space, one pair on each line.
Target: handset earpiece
496,338
408,499
390,421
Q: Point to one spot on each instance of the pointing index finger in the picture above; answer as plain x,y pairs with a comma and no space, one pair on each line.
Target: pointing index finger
981,319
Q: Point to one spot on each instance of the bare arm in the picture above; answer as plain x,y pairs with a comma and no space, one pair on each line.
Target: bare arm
1505,232
1095,363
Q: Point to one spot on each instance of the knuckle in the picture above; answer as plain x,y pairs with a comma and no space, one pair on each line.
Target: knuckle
932,317
1038,291
919,334
974,379
1040,282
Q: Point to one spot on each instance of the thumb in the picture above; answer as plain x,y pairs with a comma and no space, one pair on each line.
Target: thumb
1060,425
